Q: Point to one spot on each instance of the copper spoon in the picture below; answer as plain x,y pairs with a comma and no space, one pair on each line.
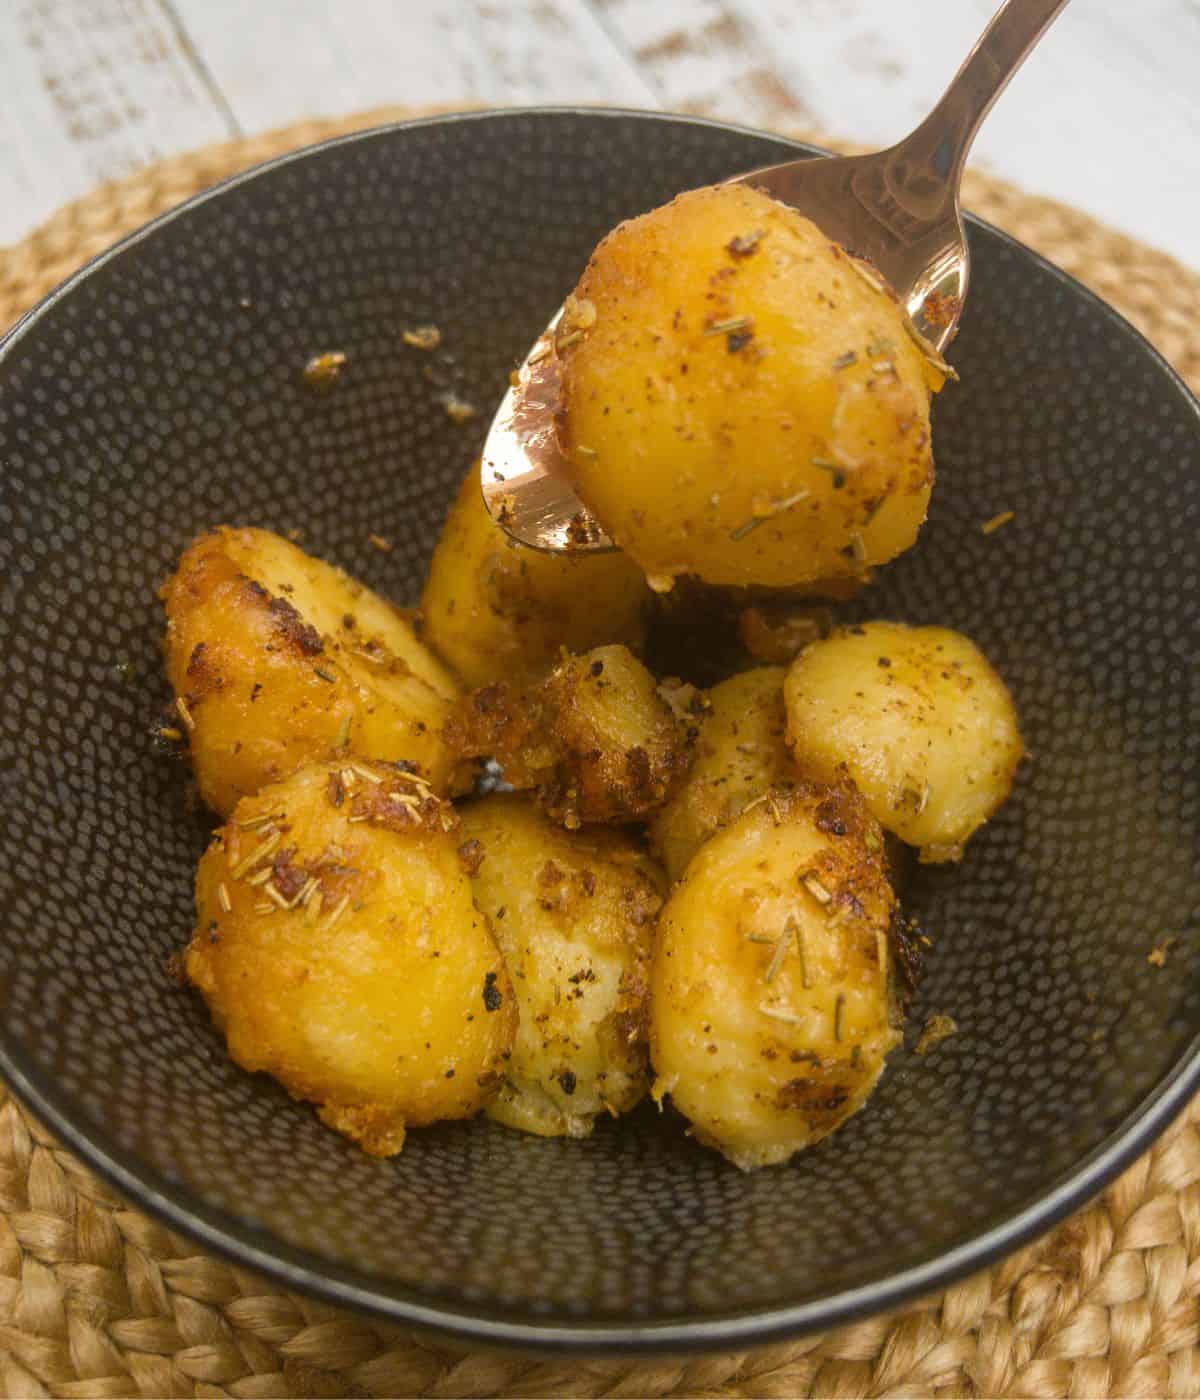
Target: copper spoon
898,209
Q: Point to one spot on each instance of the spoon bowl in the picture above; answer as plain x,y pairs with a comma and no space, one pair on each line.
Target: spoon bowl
896,210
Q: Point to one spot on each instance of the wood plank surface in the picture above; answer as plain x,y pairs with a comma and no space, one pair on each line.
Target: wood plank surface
341,58
91,90
1105,115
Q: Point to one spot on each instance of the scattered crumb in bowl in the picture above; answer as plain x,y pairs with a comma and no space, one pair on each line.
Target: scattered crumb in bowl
997,522
458,410
937,1028
1158,955
423,337
322,371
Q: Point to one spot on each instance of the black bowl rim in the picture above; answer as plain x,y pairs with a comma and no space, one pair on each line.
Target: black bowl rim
259,1250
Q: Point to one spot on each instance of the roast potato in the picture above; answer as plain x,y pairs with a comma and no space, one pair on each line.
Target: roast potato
338,948
279,659
594,738
925,726
771,1014
741,753
741,400
495,609
573,913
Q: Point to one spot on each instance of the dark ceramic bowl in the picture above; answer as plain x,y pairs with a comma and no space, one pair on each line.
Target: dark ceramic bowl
160,391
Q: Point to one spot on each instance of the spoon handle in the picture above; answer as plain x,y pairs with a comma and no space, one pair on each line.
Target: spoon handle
932,157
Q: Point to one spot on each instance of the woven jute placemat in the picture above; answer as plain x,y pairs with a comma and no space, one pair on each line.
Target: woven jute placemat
96,1300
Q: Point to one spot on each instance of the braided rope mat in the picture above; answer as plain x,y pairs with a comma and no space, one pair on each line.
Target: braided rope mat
98,1301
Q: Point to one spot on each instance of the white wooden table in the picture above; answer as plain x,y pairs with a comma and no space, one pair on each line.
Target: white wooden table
1105,115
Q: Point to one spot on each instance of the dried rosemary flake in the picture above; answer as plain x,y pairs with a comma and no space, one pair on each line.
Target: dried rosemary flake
381,543
255,823
264,907
760,517
856,1057
367,655
747,527
570,338
778,955
275,896
535,357
794,924
731,323
997,522
858,548
171,733
926,349
812,883
873,279
835,470
244,866
757,938
923,800
845,361
185,714
338,910
365,773
325,675
260,877
423,338
343,734
788,1017
223,897
839,1007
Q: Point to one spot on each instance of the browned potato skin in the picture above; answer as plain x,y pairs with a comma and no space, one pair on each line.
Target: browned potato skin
688,441
573,913
493,609
924,725
741,753
383,999
594,738
759,1087
282,660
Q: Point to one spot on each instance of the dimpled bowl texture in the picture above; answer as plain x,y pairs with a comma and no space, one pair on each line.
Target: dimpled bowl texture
161,391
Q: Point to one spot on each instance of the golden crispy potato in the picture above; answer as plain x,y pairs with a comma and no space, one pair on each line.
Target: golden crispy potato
573,913
494,609
595,738
926,728
740,399
278,660
770,1005
741,753
338,949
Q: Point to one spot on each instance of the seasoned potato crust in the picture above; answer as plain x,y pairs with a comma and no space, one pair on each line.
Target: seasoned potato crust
594,738
925,726
573,913
740,754
740,399
279,659
338,949
770,1008
493,609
